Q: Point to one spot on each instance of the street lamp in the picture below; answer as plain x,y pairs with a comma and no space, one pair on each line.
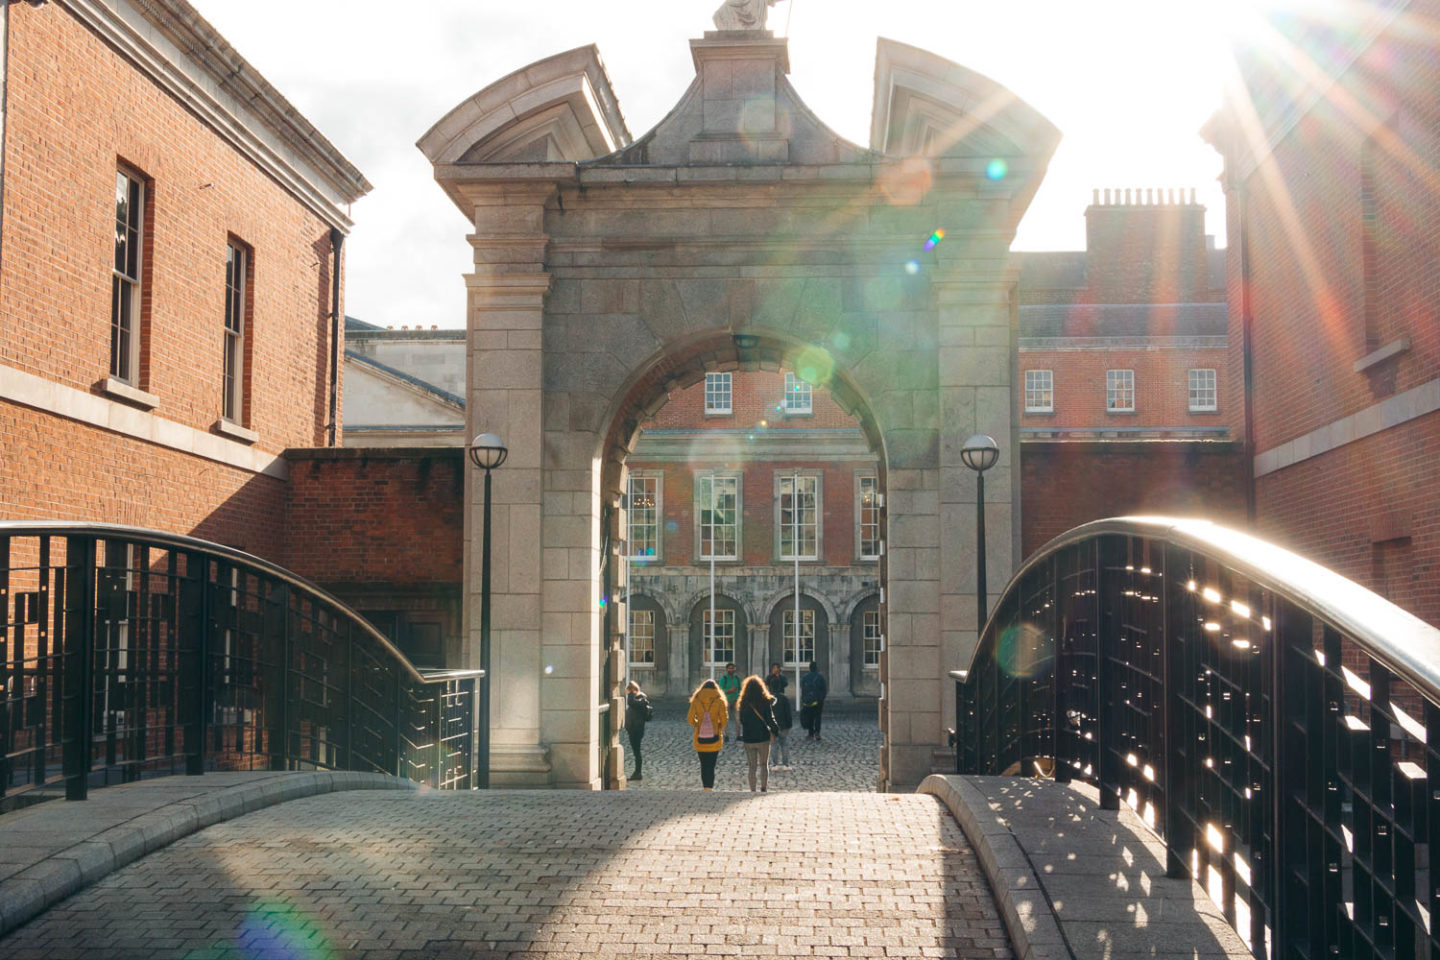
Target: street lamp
487,451
979,454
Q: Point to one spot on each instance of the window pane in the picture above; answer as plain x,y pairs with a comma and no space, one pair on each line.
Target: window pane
870,625
642,636
799,517
807,637
869,517
1120,389
1202,390
798,395
233,376
719,531
1039,391
717,393
719,644
125,287
644,532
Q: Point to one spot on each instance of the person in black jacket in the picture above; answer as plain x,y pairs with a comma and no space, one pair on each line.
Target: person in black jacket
757,728
776,683
637,712
812,701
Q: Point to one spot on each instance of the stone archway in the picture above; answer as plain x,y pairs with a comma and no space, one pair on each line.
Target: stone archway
610,270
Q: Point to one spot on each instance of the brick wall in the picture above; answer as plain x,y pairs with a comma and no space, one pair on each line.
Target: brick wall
1162,388
371,516
76,109
1066,484
1145,252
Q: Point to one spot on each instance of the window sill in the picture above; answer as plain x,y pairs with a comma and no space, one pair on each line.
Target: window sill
798,414
234,431
1387,352
874,559
719,413
1204,410
134,396
1130,412
1050,412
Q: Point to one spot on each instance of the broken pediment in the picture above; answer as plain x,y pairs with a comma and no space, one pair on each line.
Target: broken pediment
561,108
928,106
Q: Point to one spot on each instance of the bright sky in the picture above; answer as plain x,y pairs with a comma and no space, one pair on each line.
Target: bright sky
1128,82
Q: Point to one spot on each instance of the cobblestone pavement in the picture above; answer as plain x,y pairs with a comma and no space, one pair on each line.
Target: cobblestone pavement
529,875
846,758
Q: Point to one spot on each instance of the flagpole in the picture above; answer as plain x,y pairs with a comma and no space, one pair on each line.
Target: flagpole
795,537
711,657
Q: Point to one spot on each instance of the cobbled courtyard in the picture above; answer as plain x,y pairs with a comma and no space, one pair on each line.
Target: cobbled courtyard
846,758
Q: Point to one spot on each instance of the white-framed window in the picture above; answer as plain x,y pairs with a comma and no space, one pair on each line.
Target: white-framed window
125,291
798,521
237,264
867,518
643,516
1203,391
1120,390
719,646
717,501
1039,391
798,395
717,393
642,638
870,638
806,650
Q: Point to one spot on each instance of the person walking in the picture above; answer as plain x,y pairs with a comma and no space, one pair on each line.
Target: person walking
757,729
812,701
638,712
708,716
776,683
730,686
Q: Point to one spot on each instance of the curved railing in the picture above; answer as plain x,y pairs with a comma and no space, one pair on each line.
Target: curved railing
1267,717
127,652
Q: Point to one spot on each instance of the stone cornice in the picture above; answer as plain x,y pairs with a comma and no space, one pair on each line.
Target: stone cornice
174,46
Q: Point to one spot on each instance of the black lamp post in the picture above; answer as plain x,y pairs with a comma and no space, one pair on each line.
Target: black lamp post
487,451
979,454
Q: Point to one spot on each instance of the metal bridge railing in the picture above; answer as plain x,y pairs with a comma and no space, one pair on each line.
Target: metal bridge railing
127,652
1268,718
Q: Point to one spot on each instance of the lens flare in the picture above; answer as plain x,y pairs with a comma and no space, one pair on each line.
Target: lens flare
912,267
278,929
997,169
935,239
1024,650
815,366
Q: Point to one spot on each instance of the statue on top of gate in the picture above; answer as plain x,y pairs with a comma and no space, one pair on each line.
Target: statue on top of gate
743,14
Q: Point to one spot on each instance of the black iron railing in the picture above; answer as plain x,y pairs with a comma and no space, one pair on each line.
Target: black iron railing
127,652
1267,717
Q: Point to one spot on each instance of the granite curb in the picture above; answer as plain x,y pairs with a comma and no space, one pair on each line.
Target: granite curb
1026,910
116,826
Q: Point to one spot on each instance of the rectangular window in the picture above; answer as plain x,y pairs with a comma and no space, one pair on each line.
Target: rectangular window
642,638
1120,390
125,282
236,273
869,515
717,393
719,645
1202,390
806,652
716,502
799,519
1039,391
870,627
797,395
643,514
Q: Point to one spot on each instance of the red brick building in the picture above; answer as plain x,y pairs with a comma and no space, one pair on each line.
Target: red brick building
169,276
1124,368
1333,207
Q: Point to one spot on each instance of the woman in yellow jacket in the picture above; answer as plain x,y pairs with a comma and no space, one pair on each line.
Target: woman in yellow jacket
708,715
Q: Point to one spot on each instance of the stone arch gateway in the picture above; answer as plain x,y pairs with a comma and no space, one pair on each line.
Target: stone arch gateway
740,231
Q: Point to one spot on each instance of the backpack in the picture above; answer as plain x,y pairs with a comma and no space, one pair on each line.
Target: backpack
706,731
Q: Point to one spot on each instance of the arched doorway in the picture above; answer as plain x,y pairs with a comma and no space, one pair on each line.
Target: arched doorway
866,646
813,638
612,270
649,643
731,639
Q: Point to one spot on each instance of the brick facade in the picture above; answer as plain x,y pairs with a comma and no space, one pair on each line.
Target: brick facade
1334,202
77,109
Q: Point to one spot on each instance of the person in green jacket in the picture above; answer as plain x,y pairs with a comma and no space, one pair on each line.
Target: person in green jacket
730,686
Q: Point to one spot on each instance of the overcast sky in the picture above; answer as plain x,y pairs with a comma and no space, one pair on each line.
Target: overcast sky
1128,82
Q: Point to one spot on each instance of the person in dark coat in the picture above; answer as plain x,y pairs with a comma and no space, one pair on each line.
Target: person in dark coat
637,713
812,701
776,683
757,729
